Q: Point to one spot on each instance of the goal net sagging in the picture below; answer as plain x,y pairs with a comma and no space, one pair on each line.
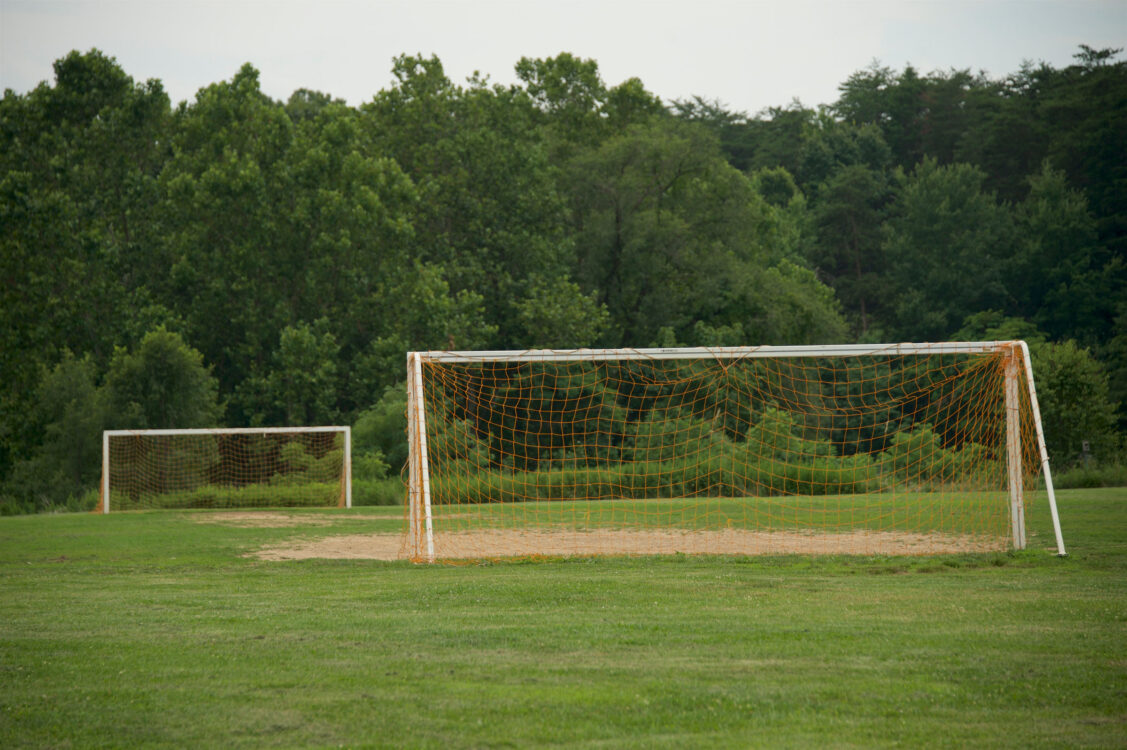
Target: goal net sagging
895,449
226,468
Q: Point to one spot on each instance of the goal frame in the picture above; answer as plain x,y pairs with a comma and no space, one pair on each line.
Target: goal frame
346,469
420,543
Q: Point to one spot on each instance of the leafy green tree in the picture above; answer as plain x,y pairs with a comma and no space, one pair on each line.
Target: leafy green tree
786,223
664,437
782,304
1064,280
1086,109
1037,121
777,138
69,412
303,382
72,411
947,112
556,314
489,214
277,224
345,240
777,436
1074,117
42,270
225,195
894,103
637,249
1007,136
629,103
846,246
912,455
1073,387
1114,355
305,105
947,243
420,313
670,235
829,145
776,186
382,428
97,137
78,166
995,325
732,129
162,384
1076,406
575,108
569,93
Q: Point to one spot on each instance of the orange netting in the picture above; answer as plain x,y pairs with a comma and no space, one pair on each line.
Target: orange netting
225,470
873,454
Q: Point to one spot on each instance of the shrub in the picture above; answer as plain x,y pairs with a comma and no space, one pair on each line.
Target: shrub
383,428
163,383
308,495
389,491
1076,407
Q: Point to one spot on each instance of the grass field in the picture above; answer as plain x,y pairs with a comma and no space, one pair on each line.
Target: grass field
950,511
155,630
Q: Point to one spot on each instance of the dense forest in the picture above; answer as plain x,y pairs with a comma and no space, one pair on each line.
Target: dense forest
236,260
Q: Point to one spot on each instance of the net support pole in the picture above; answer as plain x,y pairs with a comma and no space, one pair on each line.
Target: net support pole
1013,451
1042,449
413,491
420,469
347,459
105,471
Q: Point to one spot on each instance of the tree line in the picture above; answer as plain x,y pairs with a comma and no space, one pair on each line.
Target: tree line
244,261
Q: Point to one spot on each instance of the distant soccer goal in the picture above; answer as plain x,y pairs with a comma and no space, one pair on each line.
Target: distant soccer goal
226,468
886,449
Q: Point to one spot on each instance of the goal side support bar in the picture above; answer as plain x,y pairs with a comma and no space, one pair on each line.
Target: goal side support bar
346,460
421,528
1042,450
1013,449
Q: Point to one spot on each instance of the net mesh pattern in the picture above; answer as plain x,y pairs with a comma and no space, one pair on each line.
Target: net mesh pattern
226,470
870,454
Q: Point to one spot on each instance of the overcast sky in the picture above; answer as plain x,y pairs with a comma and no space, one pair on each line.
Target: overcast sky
749,55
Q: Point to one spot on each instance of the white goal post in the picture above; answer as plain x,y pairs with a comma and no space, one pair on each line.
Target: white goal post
227,467
470,417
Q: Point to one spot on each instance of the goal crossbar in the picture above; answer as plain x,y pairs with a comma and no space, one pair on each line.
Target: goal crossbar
717,352
228,431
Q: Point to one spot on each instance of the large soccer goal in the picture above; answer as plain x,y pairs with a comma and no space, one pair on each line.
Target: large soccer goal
883,449
226,468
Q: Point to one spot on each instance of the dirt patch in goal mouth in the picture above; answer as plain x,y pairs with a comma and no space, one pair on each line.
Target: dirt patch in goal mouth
260,519
500,543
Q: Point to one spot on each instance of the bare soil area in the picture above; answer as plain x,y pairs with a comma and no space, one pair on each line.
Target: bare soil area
266,519
498,543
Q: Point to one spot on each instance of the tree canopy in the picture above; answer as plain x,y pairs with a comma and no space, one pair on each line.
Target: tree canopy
283,256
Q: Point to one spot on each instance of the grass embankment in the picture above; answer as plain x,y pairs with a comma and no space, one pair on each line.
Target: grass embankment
152,629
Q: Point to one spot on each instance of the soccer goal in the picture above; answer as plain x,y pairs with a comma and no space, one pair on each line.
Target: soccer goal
226,468
853,449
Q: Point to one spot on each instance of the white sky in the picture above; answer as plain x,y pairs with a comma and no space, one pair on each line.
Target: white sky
749,55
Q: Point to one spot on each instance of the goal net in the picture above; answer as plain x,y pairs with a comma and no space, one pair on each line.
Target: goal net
890,449
226,468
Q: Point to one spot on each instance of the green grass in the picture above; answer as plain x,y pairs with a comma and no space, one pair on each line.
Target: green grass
153,630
